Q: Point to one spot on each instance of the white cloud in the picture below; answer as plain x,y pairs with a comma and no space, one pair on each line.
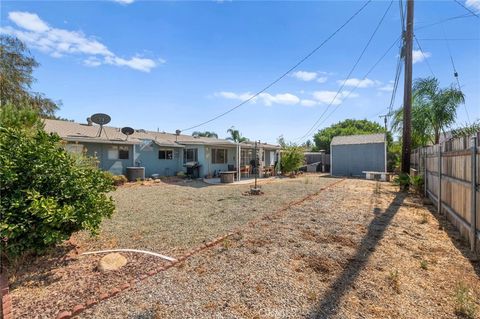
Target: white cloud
327,97
322,79
386,88
28,21
124,1
265,98
59,42
307,102
418,56
305,75
361,83
474,4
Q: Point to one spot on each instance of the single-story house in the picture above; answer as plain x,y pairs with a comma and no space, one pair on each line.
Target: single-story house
354,154
161,153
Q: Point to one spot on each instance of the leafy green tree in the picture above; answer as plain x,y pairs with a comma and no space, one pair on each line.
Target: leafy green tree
46,193
291,158
205,134
16,79
324,137
235,135
433,110
467,129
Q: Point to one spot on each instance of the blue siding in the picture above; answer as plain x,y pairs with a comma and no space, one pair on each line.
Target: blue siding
352,160
146,155
117,167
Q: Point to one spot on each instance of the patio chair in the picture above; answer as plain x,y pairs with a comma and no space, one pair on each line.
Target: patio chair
245,170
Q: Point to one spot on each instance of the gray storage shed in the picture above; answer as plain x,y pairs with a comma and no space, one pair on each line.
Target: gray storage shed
351,155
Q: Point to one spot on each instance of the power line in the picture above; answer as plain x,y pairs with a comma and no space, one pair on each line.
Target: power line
424,56
284,74
450,39
398,72
466,15
350,72
461,4
455,73
363,78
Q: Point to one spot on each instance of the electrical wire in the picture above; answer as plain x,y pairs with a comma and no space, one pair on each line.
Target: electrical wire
357,61
463,6
285,73
455,73
467,15
424,56
363,78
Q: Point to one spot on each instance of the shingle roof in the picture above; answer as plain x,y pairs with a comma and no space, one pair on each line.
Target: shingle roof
71,131
358,139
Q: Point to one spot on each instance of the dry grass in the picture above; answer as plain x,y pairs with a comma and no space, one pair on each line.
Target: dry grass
354,250
169,218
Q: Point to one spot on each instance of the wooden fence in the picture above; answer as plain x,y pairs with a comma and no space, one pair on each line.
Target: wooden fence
451,172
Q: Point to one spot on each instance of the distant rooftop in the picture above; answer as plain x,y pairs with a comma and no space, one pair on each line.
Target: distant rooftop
358,139
79,132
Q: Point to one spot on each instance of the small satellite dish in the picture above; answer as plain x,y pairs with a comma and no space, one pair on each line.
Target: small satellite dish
100,119
127,131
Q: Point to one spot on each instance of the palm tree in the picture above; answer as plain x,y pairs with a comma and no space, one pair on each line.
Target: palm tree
235,135
205,134
433,109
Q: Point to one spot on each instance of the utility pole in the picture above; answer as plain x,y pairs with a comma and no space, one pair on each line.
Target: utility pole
407,93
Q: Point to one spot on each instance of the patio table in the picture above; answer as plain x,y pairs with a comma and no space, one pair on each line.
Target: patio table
227,176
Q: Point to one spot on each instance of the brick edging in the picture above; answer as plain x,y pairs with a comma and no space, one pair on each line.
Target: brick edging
64,314
7,311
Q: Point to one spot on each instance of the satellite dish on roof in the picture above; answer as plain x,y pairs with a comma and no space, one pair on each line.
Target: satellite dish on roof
127,131
100,119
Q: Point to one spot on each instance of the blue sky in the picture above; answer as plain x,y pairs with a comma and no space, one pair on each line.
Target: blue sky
172,65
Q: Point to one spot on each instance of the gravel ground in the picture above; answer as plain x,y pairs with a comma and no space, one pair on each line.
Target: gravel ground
357,250
167,218
172,217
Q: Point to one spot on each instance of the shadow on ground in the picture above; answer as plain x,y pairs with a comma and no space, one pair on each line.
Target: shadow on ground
457,240
328,306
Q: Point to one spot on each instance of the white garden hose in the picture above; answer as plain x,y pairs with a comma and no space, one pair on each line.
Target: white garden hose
133,251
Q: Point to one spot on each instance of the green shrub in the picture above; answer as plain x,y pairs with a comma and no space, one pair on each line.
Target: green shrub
292,159
46,193
402,180
465,305
405,180
119,180
416,182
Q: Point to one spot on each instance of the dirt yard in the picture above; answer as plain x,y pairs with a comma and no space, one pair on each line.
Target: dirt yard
358,249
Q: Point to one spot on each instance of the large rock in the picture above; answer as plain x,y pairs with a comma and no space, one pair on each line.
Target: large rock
111,261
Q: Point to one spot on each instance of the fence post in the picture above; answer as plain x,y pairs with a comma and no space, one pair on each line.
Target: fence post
425,177
473,208
439,195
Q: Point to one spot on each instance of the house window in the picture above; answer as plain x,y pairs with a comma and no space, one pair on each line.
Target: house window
246,157
219,156
118,152
165,154
123,152
190,155
74,148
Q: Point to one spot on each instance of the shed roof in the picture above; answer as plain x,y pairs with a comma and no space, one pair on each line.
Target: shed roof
359,139
77,132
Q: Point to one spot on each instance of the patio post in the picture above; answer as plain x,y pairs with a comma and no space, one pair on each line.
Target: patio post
238,161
